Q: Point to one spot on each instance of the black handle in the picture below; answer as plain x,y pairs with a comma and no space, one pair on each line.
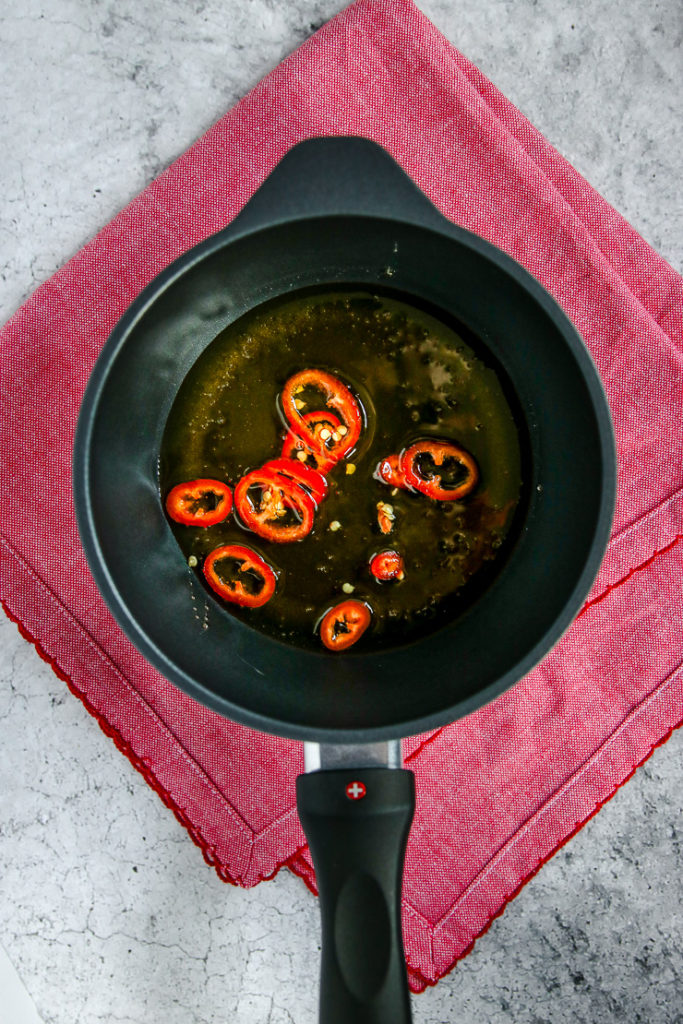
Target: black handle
331,175
357,823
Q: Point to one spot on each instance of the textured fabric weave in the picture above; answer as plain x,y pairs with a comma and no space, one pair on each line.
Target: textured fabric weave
499,791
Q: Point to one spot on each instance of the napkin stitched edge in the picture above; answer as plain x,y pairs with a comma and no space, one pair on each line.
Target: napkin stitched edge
141,765
297,862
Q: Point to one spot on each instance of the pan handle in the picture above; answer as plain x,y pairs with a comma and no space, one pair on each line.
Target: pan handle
357,822
336,175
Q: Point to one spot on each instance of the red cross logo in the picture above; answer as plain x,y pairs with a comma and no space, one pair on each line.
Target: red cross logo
355,791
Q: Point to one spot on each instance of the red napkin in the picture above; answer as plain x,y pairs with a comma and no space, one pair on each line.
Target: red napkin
499,791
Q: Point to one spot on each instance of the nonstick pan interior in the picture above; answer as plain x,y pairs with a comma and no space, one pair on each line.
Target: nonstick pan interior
569,490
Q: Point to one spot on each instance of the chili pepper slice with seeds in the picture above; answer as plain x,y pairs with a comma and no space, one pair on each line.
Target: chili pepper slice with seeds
199,502
281,512
385,517
309,478
344,624
419,476
239,575
337,397
315,453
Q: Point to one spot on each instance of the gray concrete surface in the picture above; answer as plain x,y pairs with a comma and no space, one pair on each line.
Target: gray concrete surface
108,911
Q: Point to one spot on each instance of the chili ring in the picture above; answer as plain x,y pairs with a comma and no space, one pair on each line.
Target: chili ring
431,486
278,498
248,567
344,624
337,396
199,502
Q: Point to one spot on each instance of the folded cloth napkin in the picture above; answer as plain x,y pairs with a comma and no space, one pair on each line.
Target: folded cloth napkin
501,790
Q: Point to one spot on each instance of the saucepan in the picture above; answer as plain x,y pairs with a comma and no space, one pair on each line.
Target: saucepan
340,211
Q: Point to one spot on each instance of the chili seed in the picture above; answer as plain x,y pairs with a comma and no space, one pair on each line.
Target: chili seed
350,469
348,589
192,561
335,525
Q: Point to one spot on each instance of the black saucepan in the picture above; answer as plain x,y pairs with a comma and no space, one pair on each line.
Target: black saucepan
340,211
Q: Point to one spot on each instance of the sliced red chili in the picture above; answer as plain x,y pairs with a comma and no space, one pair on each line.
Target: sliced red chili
344,624
388,471
199,502
239,575
387,565
317,451
337,396
314,482
282,512
414,463
385,517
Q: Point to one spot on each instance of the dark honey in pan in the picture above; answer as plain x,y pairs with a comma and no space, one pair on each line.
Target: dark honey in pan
415,378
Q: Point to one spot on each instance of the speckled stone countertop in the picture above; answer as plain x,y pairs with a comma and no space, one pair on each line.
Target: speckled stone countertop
108,912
